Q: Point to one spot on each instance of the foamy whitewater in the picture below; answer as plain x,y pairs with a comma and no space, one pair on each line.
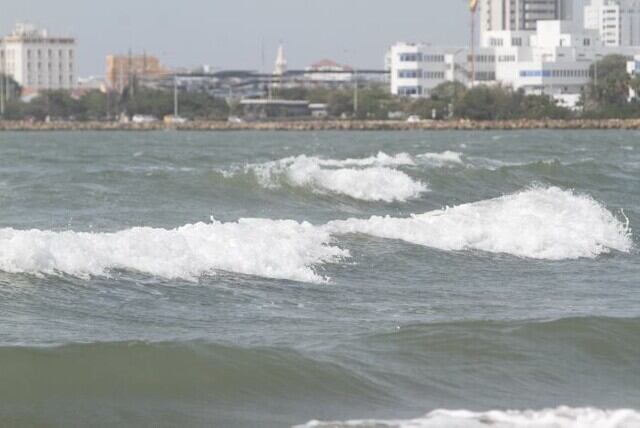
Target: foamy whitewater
444,158
368,179
562,417
268,248
540,223
367,278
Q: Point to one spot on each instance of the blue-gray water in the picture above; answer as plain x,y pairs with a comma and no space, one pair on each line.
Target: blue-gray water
131,294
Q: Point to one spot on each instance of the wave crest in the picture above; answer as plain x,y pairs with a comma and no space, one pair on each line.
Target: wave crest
267,248
367,179
562,417
540,223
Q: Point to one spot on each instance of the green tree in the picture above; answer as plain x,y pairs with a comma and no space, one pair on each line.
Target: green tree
339,103
609,89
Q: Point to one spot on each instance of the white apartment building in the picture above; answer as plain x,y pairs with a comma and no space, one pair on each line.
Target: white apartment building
554,59
38,61
617,21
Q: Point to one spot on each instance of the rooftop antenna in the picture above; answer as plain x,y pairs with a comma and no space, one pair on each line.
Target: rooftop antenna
131,89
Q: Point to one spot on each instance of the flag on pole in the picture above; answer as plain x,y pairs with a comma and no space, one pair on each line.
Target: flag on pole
473,5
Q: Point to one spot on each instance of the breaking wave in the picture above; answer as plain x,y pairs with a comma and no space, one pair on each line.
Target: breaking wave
539,223
367,179
562,417
267,248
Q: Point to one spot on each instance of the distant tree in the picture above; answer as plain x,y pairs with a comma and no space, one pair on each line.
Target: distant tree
499,103
13,89
609,87
93,106
481,103
196,105
448,92
543,107
339,103
297,93
424,107
153,102
374,103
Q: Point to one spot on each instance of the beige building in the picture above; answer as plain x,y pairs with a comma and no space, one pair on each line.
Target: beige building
38,61
122,68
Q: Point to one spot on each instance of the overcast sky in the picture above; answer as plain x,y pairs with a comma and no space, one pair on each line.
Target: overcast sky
231,33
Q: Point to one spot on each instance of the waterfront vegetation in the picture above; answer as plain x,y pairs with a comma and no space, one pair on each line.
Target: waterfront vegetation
607,96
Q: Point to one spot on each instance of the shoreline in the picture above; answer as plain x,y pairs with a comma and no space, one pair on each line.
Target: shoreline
331,125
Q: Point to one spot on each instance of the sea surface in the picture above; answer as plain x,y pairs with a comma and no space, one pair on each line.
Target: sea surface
382,279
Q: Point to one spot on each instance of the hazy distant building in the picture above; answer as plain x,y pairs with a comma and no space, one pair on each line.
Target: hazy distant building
522,15
38,61
280,68
121,69
329,71
617,21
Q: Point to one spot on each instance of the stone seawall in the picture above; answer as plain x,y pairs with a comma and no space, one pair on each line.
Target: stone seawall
338,125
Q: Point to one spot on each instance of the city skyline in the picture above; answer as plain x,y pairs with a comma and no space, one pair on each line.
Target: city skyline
244,34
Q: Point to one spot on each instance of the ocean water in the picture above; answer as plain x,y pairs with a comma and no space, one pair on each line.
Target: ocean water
383,279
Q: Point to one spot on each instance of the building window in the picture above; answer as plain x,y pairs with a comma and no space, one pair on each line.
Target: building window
409,74
410,57
410,90
535,73
434,75
433,58
485,76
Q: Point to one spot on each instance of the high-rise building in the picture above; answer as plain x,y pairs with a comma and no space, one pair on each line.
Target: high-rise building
617,21
121,69
522,15
38,61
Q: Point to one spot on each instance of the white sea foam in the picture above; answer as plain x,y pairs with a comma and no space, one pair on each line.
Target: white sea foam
562,417
540,223
267,248
444,158
368,179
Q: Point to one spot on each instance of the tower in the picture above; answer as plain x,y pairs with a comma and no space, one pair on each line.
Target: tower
281,63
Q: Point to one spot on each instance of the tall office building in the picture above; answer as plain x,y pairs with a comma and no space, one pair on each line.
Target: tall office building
38,61
617,21
522,15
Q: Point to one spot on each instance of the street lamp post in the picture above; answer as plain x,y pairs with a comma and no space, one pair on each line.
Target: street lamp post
175,95
355,93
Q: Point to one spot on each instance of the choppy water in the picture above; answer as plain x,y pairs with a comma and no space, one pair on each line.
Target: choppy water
279,279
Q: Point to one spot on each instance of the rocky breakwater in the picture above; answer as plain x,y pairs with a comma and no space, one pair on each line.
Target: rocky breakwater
327,125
